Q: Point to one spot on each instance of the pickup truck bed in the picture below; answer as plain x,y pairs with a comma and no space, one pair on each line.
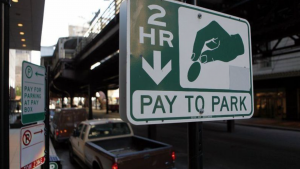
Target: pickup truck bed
133,152
128,144
110,143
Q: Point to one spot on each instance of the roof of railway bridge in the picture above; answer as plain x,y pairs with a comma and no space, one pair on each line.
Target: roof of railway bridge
271,21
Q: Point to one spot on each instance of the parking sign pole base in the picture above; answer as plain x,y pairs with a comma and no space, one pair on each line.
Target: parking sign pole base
195,145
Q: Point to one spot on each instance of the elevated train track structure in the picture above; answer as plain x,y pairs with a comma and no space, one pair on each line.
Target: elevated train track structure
273,23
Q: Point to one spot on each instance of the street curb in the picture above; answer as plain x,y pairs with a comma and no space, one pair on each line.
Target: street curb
263,126
269,127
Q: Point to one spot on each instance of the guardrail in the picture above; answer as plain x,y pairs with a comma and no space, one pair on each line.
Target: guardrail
99,23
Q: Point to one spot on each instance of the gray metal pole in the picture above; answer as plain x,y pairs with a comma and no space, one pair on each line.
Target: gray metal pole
4,87
90,102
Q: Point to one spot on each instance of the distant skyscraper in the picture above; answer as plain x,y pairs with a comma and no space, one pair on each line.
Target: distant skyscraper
20,56
77,30
16,57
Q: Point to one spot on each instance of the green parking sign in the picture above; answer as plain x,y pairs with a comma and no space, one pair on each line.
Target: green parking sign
183,63
33,93
53,165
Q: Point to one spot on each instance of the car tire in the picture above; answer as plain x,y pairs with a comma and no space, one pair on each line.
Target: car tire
71,155
96,166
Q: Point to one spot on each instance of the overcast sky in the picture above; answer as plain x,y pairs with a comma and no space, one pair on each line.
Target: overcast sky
58,14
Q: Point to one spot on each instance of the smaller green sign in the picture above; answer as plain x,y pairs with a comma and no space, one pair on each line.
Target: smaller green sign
53,165
33,93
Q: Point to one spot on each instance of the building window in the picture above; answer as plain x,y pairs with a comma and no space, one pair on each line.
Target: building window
266,63
270,104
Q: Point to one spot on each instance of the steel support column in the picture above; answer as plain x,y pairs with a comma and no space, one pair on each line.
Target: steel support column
71,99
62,100
193,2
152,132
96,103
106,94
90,102
230,126
4,87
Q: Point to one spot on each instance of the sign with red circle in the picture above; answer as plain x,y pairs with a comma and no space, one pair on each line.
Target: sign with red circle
27,136
32,146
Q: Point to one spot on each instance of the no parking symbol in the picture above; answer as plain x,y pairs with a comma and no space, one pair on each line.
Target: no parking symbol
26,137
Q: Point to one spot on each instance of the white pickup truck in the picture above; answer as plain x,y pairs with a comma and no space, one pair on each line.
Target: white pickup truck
110,144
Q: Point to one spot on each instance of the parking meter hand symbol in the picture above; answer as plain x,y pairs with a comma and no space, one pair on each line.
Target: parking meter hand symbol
214,43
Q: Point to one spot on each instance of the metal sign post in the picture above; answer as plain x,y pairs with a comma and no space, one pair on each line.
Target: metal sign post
195,142
195,145
4,87
47,120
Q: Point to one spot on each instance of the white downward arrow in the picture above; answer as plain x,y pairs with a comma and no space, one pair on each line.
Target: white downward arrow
157,73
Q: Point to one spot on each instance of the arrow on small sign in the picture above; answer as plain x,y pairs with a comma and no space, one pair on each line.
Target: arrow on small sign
39,132
157,73
38,74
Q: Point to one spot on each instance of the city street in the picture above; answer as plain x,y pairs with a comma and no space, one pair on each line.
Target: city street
231,66
247,147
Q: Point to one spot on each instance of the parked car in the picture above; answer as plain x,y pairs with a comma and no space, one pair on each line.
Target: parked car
113,107
110,143
51,114
63,122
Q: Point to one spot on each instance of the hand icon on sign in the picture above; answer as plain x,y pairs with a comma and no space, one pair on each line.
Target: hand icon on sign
214,43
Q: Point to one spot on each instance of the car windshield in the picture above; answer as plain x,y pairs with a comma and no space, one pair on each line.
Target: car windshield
109,129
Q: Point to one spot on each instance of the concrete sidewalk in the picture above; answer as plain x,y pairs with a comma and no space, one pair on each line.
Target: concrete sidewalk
14,148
